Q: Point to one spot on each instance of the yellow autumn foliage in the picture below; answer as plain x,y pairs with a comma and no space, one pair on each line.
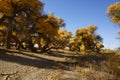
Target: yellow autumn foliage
92,28
6,8
82,48
114,12
86,40
1,15
63,37
99,45
2,27
64,34
14,33
49,25
81,31
42,42
72,40
19,16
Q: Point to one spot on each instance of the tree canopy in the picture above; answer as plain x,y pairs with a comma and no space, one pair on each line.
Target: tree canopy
24,25
18,16
86,40
114,12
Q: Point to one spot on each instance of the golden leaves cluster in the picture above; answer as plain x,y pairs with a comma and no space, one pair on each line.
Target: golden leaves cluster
86,39
49,24
6,8
114,12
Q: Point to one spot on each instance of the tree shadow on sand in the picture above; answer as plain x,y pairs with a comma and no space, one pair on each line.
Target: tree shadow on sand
35,61
40,62
81,59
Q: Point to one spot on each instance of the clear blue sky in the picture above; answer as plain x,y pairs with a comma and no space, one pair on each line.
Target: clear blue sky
82,13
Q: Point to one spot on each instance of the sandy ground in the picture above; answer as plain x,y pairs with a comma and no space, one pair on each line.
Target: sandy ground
55,65
20,65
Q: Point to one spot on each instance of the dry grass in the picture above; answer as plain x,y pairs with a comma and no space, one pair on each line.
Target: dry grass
104,66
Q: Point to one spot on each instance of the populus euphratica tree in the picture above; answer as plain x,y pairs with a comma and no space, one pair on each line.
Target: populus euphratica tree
63,38
86,40
47,27
17,16
113,12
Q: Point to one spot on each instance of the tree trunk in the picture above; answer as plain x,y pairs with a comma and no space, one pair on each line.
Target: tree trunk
44,48
9,33
8,45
